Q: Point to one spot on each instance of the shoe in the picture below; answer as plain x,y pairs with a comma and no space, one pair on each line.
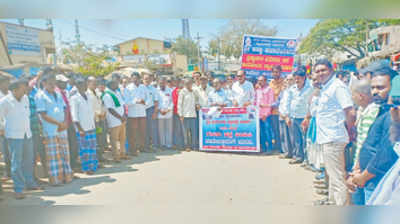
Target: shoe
323,202
19,196
322,192
319,181
285,156
90,173
295,162
321,186
188,149
38,188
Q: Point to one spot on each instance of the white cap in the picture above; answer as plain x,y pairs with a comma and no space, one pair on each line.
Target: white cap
61,78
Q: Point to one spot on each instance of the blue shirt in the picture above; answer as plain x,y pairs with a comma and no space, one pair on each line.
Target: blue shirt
298,105
377,154
151,96
54,107
218,97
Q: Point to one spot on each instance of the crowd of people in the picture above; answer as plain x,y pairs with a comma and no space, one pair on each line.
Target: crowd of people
343,126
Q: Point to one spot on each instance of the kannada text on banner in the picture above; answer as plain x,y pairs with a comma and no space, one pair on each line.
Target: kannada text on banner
260,54
229,129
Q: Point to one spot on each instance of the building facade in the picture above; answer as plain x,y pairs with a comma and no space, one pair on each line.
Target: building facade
22,44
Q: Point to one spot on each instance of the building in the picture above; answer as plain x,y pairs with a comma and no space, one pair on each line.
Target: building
143,46
22,44
152,54
383,43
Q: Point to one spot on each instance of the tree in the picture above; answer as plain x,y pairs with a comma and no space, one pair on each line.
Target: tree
341,35
89,61
186,47
229,40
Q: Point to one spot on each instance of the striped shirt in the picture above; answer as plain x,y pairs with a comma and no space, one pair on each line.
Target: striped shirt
365,118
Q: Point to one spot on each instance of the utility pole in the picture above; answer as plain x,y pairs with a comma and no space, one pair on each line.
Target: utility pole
78,41
198,48
218,55
77,35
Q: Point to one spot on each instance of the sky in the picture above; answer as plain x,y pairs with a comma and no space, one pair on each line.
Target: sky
97,32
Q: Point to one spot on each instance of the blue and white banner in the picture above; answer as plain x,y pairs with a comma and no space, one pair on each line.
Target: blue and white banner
229,129
22,40
261,53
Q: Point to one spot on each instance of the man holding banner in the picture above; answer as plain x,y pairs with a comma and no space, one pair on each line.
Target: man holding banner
243,90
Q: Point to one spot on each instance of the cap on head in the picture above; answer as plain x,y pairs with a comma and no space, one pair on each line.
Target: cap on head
62,78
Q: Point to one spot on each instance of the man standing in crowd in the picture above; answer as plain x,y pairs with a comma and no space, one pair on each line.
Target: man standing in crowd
298,109
62,82
14,108
197,80
263,100
100,116
366,115
165,114
388,190
53,113
277,85
228,89
83,117
135,95
152,100
376,154
217,97
36,129
187,114
243,91
4,83
177,124
283,109
116,119
201,92
333,116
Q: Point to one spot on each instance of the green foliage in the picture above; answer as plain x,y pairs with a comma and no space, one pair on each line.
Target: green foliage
229,40
343,35
186,47
90,62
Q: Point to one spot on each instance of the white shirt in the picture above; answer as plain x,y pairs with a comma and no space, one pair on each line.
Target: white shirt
284,104
298,100
2,121
16,115
165,103
186,104
152,96
109,103
330,116
133,95
243,92
82,111
202,95
97,105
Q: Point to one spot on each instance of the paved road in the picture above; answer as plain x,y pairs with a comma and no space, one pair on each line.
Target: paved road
186,179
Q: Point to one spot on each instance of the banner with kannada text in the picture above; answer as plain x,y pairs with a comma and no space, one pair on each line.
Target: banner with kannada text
229,129
261,53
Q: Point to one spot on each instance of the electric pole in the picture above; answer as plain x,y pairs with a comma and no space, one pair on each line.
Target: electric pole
77,35
198,49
